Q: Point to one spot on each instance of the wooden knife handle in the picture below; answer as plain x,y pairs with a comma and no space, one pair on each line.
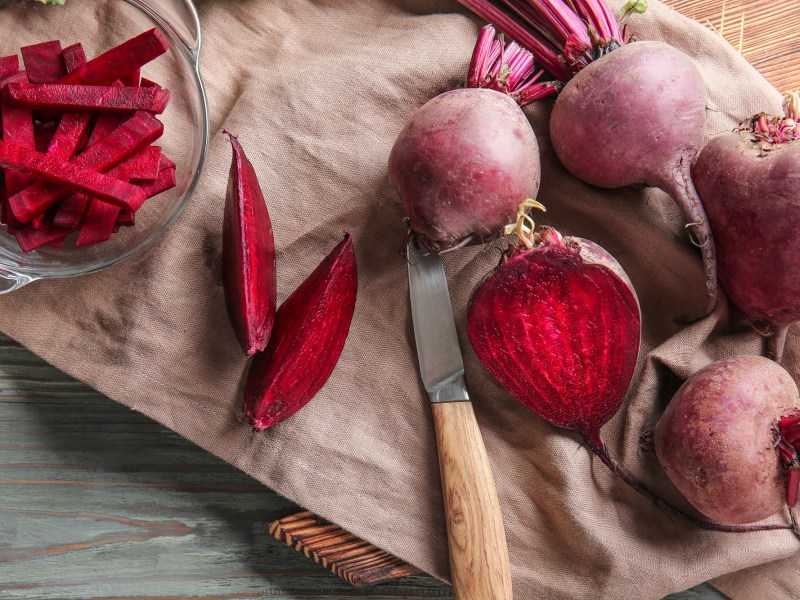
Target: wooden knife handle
479,563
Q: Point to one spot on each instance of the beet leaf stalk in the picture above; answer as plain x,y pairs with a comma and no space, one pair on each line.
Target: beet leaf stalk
507,68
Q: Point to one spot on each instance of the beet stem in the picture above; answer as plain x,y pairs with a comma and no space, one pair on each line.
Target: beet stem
776,344
545,53
683,192
601,451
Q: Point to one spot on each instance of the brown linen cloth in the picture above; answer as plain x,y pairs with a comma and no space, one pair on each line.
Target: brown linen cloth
317,91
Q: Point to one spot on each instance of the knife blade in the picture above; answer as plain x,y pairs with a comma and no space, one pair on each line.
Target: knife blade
479,560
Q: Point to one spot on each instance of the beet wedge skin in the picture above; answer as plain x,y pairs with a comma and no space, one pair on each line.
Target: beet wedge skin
311,328
248,256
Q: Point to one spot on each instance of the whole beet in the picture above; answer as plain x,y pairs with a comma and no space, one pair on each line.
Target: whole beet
717,438
637,117
749,181
462,165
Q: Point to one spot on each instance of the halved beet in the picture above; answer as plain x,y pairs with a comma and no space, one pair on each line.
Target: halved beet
559,327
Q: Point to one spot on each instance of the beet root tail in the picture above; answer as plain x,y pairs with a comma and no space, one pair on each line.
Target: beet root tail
776,344
601,451
683,192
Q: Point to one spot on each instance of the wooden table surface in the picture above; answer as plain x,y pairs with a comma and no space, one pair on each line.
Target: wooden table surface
100,502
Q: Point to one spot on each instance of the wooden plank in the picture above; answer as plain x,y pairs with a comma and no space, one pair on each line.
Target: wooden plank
769,37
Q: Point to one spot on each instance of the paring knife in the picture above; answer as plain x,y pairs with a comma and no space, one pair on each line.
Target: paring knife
477,541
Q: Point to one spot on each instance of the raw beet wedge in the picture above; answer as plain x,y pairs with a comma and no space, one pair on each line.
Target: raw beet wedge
44,62
120,61
559,326
310,331
248,256
127,139
70,176
88,97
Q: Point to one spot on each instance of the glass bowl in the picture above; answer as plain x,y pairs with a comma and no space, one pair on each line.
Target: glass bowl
100,25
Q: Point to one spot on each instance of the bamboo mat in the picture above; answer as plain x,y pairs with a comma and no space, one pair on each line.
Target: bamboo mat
766,31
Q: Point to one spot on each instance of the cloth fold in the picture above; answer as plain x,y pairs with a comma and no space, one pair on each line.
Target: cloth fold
317,90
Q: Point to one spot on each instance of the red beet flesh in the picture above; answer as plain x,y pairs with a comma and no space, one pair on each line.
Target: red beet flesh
88,97
559,327
44,62
750,191
248,256
69,176
130,137
74,147
716,440
121,60
637,117
462,164
311,327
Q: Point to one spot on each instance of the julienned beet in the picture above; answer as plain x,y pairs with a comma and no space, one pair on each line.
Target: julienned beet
76,141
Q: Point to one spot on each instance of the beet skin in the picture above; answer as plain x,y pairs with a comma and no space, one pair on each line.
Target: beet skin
716,440
750,192
462,165
637,117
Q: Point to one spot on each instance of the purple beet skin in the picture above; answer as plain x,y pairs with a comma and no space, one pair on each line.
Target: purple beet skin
749,181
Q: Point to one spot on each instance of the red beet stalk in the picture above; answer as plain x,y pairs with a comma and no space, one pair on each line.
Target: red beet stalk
248,256
558,324
507,68
311,327
563,35
88,97
120,61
